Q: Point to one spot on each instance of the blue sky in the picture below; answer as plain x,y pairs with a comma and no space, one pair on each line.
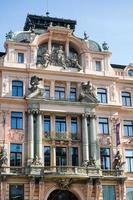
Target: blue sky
103,20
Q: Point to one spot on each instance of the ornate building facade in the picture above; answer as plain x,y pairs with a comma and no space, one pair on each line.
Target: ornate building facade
65,116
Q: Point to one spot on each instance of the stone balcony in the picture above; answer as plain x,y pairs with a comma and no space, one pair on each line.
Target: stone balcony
52,171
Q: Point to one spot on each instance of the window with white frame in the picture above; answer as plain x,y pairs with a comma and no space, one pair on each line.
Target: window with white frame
102,95
128,128
103,125
98,65
129,160
20,57
126,99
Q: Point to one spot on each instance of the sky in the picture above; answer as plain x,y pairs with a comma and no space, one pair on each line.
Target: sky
102,20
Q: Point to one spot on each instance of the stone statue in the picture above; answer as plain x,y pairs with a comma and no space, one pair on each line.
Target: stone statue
9,35
61,57
34,82
46,57
36,161
117,163
85,36
3,157
105,46
74,61
87,92
36,88
89,163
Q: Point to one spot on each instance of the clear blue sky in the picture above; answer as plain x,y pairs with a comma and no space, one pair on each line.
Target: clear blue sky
103,20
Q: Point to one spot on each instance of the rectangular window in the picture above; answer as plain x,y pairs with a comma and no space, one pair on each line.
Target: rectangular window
17,88
16,192
15,155
129,193
126,99
61,158
46,125
105,158
47,156
20,57
73,95
109,192
74,156
47,92
74,128
98,65
60,124
129,160
103,125
59,93
128,128
102,95
16,120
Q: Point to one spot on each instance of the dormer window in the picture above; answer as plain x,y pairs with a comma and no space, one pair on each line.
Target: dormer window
20,57
98,65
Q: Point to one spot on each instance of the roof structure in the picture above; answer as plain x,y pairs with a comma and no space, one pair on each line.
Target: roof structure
43,22
118,66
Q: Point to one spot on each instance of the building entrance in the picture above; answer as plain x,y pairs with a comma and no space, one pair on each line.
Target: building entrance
62,195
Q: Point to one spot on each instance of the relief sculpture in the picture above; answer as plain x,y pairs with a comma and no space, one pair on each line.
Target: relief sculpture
57,57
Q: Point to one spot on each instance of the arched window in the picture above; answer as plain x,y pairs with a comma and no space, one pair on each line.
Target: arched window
102,95
17,88
129,193
130,72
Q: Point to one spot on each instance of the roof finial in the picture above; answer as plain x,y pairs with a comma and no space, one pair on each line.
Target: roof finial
47,12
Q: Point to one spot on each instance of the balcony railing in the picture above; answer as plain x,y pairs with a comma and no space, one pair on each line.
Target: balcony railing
112,173
52,171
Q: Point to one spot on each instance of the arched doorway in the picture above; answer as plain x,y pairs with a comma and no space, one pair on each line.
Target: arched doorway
62,195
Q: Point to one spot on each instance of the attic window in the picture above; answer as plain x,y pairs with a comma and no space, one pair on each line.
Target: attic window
130,72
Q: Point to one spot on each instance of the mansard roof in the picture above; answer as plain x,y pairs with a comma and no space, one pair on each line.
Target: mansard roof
118,66
2,54
43,22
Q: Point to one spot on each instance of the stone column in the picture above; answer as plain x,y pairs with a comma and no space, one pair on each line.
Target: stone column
93,139
50,45
52,89
69,155
39,137
30,136
85,141
67,48
53,155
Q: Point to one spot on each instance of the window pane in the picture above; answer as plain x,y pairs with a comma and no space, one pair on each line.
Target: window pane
108,192
74,156
98,65
20,57
16,120
16,192
60,124
47,156
61,156
15,155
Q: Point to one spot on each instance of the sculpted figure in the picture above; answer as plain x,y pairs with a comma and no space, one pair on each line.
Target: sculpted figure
3,157
46,57
74,61
34,82
61,57
117,163
36,161
87,92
